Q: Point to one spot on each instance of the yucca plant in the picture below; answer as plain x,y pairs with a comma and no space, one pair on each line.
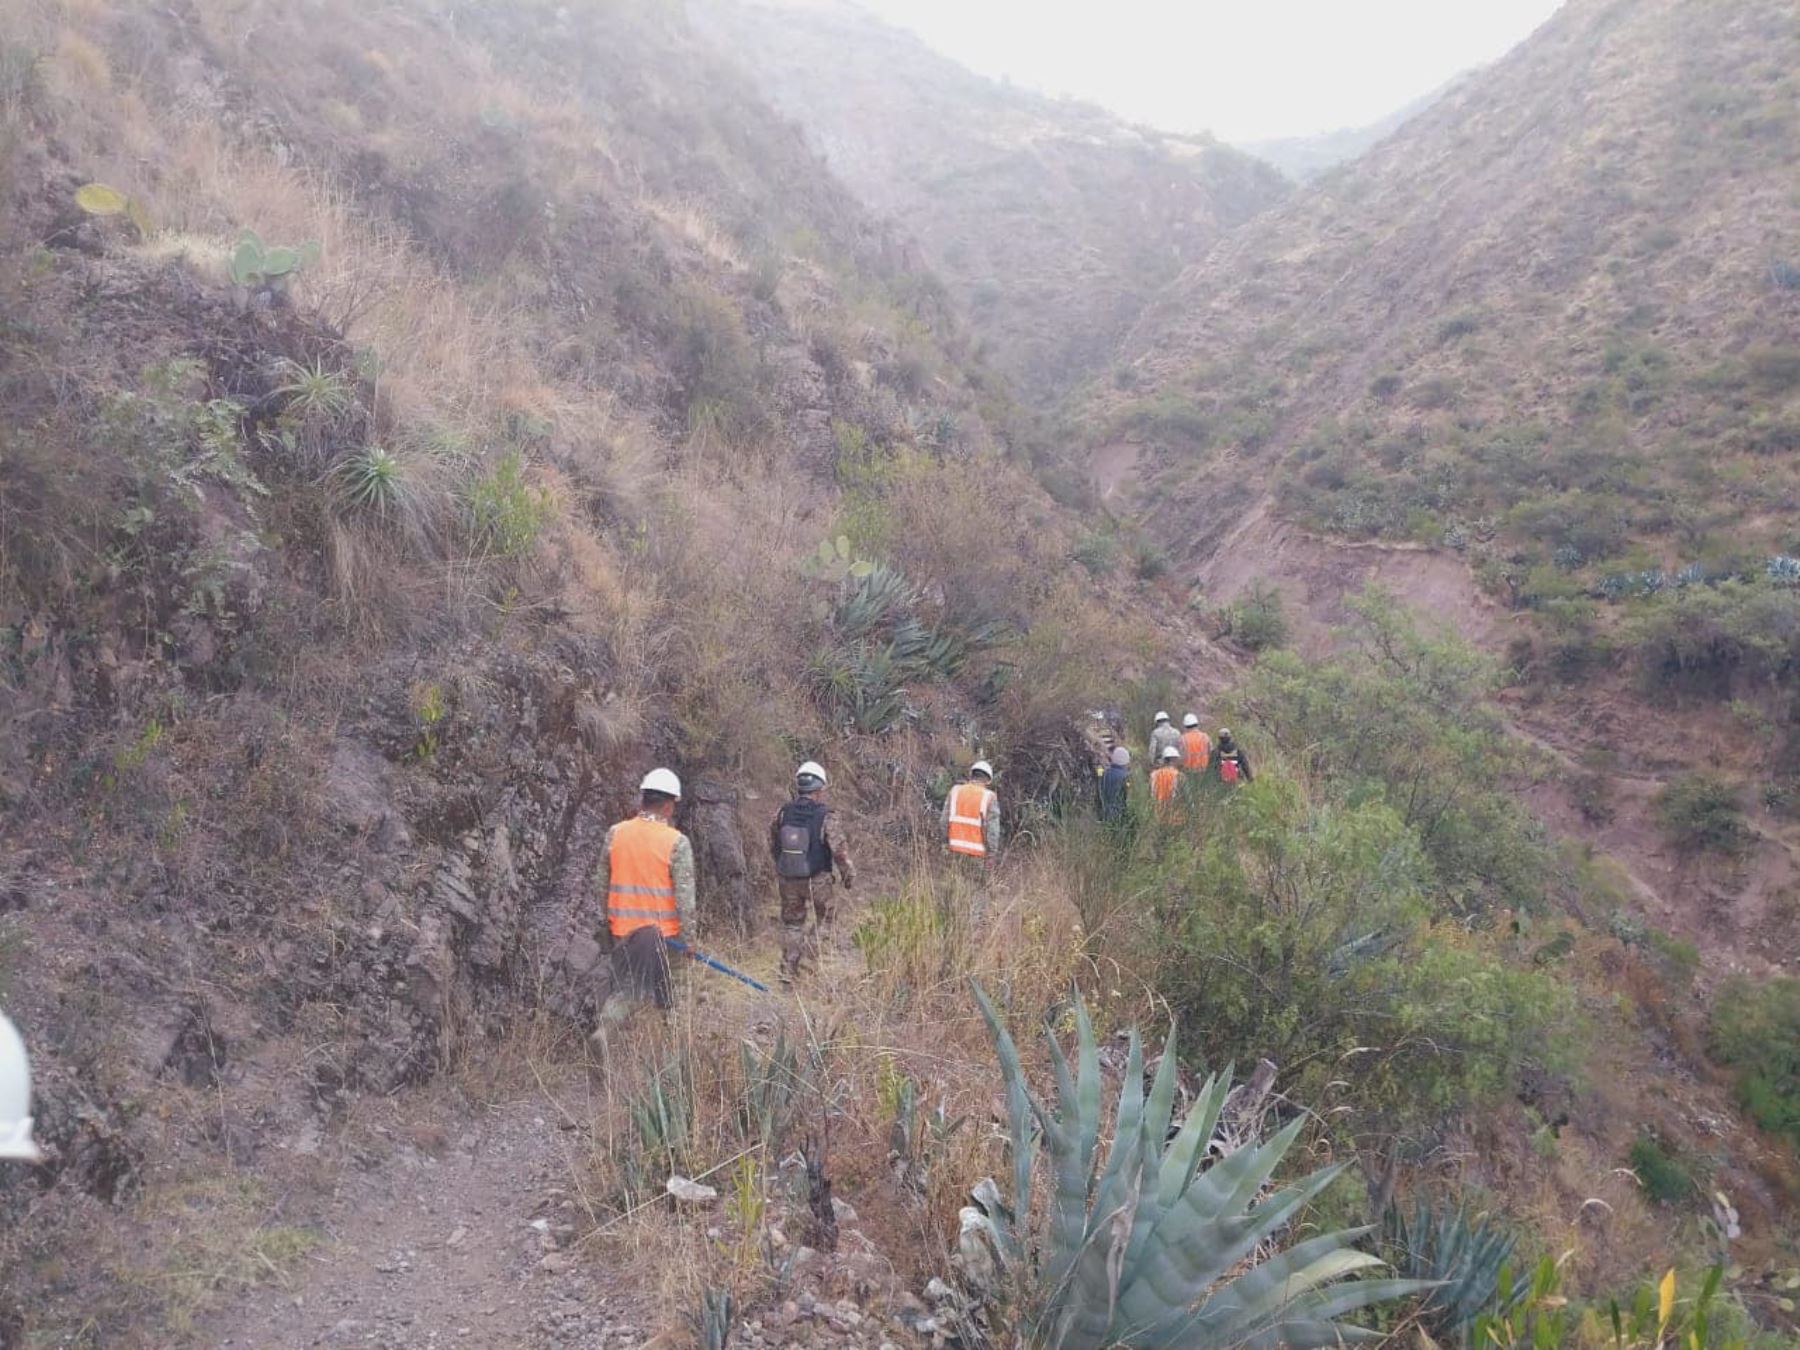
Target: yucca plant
313,393
372,480
1162,1247
1466,1253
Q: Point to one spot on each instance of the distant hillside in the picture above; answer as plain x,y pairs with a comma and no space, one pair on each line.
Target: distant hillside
1053,222
1304,158
1534,361
1561,307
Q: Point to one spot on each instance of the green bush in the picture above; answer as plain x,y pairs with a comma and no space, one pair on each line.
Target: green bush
1402,716
1664,1179
1704,640
1756,1031
1098,551
506,513
1148,560
716,364
1303,932
1259,620
1702,813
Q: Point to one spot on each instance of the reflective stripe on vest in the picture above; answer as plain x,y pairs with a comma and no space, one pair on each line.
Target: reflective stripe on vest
1196,748
641,883
969,806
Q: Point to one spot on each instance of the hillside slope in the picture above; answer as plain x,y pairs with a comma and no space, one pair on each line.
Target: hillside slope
1546,336
1053,222
344,607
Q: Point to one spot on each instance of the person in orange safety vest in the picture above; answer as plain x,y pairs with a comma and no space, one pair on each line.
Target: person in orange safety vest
971,817
1196,745
646,875
1165,784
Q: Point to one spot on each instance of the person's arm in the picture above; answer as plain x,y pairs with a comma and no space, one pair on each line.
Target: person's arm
775,837
681,872
1244,765
840,850
603,873
992,827
944,815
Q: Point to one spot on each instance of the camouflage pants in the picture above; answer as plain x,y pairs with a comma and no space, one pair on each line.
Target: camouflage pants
800,897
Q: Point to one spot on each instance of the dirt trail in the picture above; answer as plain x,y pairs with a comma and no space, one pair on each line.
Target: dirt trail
460,1222
434,1244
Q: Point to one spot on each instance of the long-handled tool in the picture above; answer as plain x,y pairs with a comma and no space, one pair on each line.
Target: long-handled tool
677,945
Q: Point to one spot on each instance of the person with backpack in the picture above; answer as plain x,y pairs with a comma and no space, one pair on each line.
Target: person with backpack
807,849
1230,763
1165,784
1196,748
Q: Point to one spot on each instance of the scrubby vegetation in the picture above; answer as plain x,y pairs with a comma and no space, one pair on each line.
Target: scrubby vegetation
1756,1030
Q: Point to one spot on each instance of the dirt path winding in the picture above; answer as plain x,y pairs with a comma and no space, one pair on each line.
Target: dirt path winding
455,1237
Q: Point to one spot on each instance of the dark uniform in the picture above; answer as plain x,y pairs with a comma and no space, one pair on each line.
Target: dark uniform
825,851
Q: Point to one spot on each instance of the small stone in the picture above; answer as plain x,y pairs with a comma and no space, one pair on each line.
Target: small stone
842,1210
690,1192
557,1263
456,1236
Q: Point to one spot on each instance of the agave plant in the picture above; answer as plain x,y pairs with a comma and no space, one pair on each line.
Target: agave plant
1162,1247
1466,1253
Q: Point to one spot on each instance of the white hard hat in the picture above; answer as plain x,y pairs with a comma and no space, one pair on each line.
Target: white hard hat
1190,721
1162,717
15,1097
981,766
1170,752
663,781
811,769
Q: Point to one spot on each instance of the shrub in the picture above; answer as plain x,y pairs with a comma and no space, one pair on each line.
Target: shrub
1148,560
1458,325
505,512
1756,1031
1663,1178
1259,620
715,362
1703,813
1098,551
1776,369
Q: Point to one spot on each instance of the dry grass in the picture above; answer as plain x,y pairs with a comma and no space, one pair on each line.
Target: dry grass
692,222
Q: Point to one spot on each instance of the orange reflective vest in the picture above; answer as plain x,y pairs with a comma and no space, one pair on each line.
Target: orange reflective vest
969,807
1164,781
640,883
1196,749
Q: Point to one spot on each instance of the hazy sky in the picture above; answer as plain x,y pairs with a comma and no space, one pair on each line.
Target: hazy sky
1244,69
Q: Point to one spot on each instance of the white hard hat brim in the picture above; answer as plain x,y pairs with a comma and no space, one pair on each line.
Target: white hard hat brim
19,1147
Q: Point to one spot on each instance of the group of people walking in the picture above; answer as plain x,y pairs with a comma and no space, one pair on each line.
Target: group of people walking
646,874
1180,758
646,870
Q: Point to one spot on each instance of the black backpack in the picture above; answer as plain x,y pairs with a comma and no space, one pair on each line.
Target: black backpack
803,851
